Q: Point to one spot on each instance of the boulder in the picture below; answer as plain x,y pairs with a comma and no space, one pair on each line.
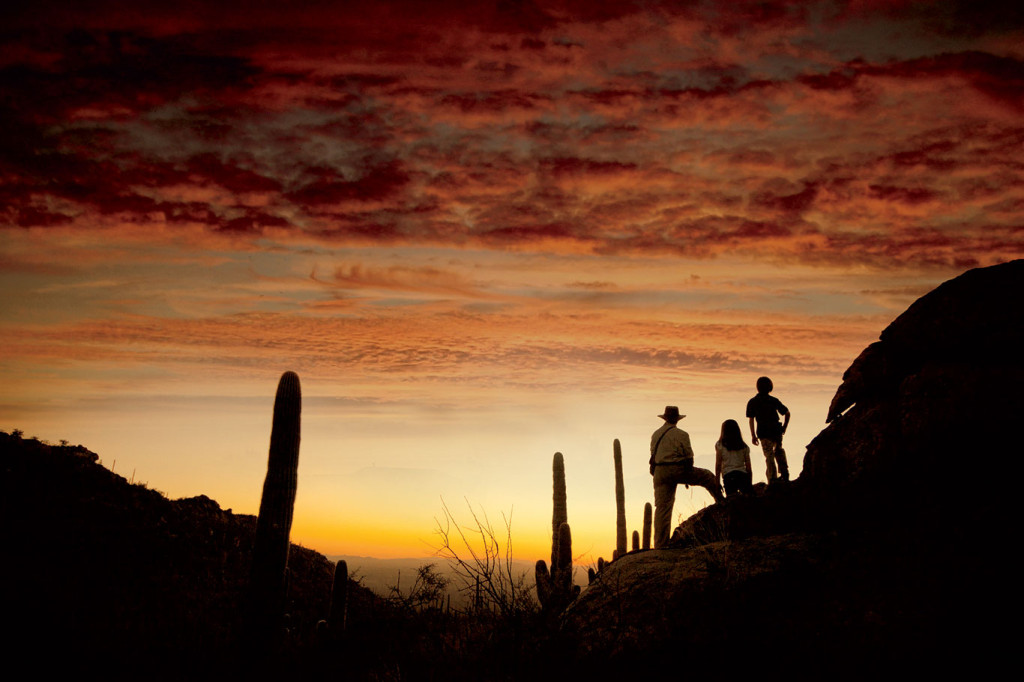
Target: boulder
975,319
943,380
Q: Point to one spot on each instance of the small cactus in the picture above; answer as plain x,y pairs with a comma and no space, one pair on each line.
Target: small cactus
647,525
339,599
545,588
636,541
268,576
620,501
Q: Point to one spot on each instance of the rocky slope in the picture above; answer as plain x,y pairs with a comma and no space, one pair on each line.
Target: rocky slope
892,546
105,570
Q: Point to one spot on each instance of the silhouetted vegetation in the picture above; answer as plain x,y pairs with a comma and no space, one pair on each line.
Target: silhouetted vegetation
117,576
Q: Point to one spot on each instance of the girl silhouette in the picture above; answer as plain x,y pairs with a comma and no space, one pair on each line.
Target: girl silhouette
732,460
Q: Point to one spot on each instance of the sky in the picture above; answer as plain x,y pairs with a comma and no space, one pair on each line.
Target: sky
480,233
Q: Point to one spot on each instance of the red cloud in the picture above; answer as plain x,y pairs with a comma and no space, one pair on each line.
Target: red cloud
554,126
422,280
326,186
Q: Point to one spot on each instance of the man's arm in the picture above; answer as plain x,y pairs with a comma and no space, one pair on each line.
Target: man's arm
753,432
785,421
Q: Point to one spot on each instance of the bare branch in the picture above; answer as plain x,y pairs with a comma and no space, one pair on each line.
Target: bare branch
481,565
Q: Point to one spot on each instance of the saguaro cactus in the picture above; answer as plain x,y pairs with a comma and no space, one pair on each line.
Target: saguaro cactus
620,502
555,588
545,588
339,599
560,512
273,527
636,541
647,525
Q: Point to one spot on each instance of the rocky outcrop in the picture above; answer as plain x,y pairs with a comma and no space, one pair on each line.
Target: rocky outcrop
892,539
942,385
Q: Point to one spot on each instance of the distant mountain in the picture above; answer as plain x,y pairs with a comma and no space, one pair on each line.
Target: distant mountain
382,575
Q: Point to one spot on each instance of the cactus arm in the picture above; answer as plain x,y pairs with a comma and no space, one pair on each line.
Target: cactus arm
560,512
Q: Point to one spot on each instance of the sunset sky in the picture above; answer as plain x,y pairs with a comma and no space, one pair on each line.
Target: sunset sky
479,232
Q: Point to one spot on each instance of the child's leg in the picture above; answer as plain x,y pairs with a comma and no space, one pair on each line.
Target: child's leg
769,446
780,457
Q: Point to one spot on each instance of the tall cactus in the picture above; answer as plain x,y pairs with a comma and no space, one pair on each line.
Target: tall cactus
267,584
647,525
620,502
555,588
560,512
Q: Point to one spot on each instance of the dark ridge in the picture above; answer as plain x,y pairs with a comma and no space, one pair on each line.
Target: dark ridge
114,572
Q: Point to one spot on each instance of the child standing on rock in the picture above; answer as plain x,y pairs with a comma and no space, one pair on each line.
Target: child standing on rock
763,410
732,460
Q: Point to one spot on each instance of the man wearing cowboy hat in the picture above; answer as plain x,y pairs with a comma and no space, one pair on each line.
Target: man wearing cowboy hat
672,464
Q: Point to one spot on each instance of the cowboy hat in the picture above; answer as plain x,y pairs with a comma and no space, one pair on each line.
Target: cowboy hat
671,414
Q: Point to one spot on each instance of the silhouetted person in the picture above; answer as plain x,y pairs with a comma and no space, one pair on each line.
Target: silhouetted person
764,409
732,460
672,464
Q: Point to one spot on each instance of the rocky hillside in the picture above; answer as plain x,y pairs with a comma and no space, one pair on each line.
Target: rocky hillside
106,570
891,549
